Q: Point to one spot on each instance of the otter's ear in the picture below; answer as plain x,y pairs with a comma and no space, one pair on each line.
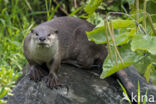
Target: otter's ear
56,31
32,31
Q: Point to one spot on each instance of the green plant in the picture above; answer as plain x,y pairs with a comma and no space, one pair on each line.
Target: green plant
3,92
16,19
129,42
8,80
139,100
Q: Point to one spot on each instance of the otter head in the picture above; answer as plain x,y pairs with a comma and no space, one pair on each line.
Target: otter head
44,36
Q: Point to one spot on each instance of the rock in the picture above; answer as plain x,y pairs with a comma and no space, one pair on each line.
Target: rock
79,87
134,77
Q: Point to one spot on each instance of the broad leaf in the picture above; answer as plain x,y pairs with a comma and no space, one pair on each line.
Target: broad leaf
142,64
122,36
145,43
97,35
128,56
118,23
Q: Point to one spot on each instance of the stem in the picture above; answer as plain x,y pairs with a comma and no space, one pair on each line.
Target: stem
61,8
47,9
150,21
144,15
137,11
113,39
75,4
141,28
112,31
28,4
114,44
109,46
116,58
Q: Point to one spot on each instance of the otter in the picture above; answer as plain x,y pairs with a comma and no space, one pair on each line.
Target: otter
61,40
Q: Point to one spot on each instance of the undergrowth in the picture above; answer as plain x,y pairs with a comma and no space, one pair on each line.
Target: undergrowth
136,42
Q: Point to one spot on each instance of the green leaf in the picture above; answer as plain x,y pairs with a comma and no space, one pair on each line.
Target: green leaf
145,99
144,43
147,72
92,6
125,92
123,34
75,11
138,92
128,56
10,74
142,64
118,23
3,92
97,35
3,101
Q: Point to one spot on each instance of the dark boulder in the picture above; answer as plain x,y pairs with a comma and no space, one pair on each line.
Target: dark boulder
79,87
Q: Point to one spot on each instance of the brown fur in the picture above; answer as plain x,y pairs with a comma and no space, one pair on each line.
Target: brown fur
73,47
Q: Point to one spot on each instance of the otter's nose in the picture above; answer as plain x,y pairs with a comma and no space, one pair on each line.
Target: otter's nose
42,38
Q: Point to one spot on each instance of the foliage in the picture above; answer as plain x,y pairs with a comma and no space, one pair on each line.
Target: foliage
139,95
136,46
11,35
123,32
3,92
16,19
136,43
129,57
8,80
125,93
144,43
92,6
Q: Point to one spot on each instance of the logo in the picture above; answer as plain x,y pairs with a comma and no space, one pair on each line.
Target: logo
134,98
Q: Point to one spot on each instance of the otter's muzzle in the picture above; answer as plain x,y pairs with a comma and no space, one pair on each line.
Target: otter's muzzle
42,38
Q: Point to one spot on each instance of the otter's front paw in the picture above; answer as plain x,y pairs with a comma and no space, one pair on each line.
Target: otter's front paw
52,81
36,73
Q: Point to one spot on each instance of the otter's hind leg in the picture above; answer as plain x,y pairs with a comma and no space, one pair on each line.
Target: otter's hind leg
85,61
72,62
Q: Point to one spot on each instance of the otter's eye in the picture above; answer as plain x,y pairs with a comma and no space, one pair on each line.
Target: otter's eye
49,34
36,34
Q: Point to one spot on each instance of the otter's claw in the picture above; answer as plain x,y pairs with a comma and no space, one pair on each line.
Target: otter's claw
36,73
52,81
